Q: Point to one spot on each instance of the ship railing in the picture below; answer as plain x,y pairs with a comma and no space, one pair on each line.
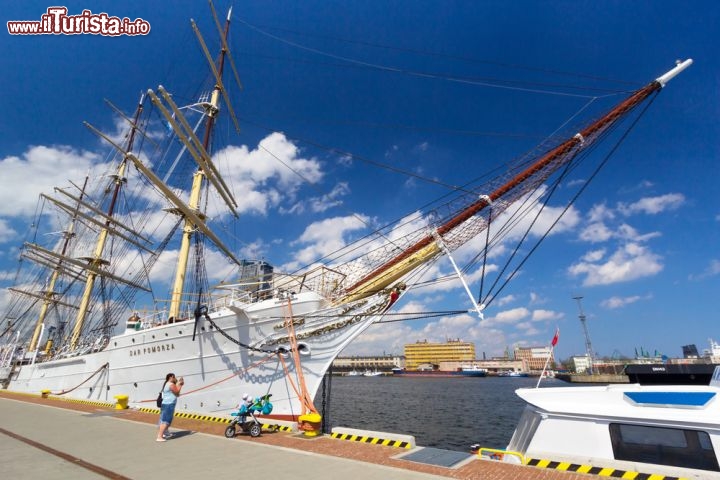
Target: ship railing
322,280
10,351
7,352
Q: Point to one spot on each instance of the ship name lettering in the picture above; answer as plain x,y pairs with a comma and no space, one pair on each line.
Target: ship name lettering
165,347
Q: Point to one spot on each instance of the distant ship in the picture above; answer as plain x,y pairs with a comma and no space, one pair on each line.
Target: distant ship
465,371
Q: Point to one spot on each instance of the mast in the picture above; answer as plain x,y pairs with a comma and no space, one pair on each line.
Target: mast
49,293
96,261
427,247
197,185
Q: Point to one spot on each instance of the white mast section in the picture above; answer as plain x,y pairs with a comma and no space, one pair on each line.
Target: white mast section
478,308
681,65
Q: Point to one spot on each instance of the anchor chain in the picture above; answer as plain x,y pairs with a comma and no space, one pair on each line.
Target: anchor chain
202,312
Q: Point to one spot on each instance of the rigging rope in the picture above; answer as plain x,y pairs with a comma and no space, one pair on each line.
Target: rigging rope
600,166
454,57
385,68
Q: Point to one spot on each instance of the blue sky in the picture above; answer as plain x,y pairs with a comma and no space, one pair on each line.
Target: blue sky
446,90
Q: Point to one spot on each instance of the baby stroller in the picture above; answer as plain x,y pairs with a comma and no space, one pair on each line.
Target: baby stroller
245,417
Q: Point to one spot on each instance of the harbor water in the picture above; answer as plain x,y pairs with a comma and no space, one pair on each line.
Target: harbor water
448,413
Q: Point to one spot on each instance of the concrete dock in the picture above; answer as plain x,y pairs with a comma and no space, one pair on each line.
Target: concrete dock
46,438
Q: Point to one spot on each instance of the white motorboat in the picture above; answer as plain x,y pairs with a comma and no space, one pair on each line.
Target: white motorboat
627,431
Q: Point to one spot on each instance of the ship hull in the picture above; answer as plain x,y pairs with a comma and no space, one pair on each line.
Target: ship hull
237,349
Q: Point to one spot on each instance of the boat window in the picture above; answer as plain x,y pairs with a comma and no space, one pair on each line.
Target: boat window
705,442
663,446
525,430
666,437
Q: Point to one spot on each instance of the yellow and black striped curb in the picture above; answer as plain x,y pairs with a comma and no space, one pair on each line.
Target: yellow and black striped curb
192,416
82,402
372,440
211,418
603,472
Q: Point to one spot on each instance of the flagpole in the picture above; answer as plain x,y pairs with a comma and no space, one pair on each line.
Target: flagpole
553,342
542,374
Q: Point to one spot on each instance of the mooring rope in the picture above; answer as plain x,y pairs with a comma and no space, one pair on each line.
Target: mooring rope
84,381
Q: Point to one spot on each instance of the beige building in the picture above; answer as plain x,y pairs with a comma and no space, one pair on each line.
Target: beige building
535,357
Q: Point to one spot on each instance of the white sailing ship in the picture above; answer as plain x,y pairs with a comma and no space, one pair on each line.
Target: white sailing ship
268,332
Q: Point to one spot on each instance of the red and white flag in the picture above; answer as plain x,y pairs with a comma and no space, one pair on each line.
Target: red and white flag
556,337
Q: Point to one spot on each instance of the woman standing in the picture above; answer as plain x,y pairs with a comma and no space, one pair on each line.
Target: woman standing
170,394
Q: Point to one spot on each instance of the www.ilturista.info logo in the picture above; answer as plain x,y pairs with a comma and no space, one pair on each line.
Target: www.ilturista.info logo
57,22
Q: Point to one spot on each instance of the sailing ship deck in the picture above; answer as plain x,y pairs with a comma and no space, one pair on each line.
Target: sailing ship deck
98,442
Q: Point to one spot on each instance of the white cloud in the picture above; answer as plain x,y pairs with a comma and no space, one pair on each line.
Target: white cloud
325,237
596,232
320,204
266,175
531,208
618,302
217,265
7,233
600,212
711,270
6,275
653,205
545,315
511,316
594,255
629,262
37,171
505,300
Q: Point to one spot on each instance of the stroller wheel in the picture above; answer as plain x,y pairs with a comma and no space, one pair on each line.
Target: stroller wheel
230,431
255,430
